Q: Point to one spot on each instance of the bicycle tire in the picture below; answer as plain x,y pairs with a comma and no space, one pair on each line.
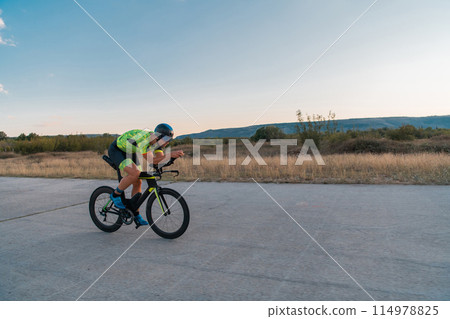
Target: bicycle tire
168,194
115,225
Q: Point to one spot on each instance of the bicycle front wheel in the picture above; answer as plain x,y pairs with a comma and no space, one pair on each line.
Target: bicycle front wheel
167,213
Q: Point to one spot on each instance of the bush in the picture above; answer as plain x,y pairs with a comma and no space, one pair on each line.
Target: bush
73,143
182,141
363,145
268,133
315,127
403,133
338,137
5,146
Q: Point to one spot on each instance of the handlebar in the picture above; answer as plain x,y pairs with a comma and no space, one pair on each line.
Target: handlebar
170,162
159,170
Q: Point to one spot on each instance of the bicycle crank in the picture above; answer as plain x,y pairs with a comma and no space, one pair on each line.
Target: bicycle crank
126,216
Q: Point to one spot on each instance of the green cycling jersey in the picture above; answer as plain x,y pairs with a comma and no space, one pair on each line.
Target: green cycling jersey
132,142
135,141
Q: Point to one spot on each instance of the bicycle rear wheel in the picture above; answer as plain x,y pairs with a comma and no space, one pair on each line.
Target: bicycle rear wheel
170,219
100,209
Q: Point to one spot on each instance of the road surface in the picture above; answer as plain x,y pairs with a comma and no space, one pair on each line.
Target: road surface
352,242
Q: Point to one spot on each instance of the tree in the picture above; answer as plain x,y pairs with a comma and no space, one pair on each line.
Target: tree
32,136
268,133
3,136
403,133
315,126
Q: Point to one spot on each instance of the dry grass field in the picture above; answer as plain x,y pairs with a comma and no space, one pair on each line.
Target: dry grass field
420,168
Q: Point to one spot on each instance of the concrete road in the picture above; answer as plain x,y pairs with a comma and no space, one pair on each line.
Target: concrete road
392,240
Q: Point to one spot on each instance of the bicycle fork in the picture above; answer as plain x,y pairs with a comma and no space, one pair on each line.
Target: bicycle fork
162,203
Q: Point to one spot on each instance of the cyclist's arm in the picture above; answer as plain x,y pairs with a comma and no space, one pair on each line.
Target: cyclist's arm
154,158
158,156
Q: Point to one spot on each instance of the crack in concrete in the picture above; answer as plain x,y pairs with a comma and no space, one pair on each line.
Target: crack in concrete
37,213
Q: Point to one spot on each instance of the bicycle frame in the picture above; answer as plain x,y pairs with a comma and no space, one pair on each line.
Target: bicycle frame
152,187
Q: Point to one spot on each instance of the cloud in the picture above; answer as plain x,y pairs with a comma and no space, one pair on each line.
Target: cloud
3,90
4,41
11,117
7,42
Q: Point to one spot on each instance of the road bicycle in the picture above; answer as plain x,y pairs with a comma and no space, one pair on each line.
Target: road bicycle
167,211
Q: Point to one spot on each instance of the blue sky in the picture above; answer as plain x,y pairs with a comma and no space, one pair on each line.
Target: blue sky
223,61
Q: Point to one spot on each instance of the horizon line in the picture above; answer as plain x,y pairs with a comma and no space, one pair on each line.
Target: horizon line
255,125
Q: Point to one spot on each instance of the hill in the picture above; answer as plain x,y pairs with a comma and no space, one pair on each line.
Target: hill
343,125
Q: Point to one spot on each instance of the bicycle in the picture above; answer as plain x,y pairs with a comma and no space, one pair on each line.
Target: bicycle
167,211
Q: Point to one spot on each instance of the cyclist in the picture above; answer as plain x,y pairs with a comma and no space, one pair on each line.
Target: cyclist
133,143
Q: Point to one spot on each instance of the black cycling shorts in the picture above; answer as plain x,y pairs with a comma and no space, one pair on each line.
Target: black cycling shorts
118,156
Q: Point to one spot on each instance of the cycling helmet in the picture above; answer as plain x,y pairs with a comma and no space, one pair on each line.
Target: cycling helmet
164,130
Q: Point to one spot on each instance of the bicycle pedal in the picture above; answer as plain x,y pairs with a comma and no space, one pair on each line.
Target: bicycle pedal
137,224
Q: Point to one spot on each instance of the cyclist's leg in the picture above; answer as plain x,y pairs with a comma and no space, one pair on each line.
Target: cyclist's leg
133,171
138,182
137,187
132,177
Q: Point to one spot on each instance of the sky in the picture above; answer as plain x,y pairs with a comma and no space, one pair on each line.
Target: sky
223,62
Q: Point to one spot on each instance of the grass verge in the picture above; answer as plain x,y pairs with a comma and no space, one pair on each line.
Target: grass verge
421,168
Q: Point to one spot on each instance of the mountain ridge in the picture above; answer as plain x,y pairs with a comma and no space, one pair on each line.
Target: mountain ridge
440,121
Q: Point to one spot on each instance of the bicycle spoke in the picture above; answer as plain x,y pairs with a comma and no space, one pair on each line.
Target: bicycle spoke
104,210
